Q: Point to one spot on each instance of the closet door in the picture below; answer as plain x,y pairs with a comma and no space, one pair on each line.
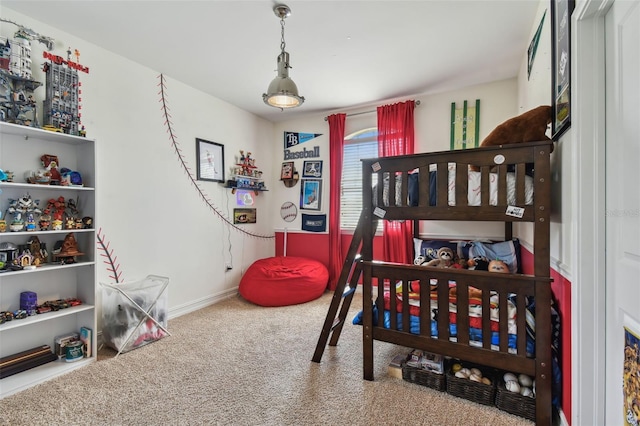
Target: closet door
622,212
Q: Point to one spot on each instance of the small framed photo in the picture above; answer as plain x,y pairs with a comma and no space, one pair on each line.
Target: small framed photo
287,170
312,169
210,160
244,216
311,194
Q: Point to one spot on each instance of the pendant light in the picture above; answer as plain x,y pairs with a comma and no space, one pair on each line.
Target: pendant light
282,92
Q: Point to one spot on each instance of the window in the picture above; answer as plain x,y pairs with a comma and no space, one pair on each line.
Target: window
358,145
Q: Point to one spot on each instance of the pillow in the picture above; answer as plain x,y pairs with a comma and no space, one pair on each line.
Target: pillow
428,249
507,251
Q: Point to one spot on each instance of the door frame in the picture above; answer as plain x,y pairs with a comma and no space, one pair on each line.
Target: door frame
587,139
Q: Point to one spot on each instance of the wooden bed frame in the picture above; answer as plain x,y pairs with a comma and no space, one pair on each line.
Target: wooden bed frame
538,285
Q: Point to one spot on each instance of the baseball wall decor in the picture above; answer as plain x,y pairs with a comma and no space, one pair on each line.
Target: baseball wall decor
288,211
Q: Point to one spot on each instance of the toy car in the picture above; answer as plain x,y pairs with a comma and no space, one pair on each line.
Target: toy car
51,128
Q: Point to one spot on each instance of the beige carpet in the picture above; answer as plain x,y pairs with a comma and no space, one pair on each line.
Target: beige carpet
235,363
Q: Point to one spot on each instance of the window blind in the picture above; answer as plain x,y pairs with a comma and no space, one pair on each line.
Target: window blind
355,149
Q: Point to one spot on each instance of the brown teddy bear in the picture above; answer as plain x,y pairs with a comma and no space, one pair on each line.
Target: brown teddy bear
529,126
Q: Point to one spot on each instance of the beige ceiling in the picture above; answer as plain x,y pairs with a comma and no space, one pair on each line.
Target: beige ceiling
344,54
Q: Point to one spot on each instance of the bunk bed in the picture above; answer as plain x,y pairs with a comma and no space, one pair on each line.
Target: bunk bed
436,186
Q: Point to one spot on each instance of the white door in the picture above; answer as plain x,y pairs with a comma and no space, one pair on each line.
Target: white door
622,25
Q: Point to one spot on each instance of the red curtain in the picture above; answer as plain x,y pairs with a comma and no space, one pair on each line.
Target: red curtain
396,137
336,143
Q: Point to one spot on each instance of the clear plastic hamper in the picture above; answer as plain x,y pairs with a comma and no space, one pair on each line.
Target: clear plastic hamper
134,313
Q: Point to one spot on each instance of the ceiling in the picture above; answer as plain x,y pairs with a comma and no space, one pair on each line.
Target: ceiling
344,54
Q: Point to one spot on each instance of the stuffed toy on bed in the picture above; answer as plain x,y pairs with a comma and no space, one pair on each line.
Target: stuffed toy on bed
530,126
446,259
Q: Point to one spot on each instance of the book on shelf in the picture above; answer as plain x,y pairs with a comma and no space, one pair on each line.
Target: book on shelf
86,336
17,363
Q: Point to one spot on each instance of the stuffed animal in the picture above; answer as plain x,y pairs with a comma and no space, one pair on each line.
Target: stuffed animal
478,263
529,126
445,258
498,266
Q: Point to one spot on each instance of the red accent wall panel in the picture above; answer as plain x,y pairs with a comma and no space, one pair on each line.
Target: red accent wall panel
561,288
316,246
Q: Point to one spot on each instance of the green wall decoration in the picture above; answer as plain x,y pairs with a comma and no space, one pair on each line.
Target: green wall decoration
465,125
533,46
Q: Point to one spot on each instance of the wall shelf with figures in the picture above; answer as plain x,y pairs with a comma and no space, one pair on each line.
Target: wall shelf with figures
47,249
246,175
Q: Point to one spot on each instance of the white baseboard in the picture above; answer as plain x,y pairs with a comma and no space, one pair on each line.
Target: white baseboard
197,304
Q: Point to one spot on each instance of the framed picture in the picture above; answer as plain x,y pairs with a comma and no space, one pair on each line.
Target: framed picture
310,194
560,66
244,216
210,159
312,169
287,170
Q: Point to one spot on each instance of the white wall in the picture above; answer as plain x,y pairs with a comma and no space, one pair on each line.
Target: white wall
533,91
498,102
147,207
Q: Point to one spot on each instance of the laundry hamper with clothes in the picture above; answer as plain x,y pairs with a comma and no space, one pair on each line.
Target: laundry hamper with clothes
134,313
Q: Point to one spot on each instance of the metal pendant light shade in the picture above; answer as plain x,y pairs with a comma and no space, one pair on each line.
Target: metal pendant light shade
282,92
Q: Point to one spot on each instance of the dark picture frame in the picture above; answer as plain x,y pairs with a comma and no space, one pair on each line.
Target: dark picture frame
561,11
210,160
311,194
241,216
312,169
287,170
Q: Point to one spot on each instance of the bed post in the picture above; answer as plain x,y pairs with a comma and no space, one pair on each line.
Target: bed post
541,240
367,255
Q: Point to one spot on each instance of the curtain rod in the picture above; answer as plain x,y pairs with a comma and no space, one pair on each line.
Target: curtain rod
365,112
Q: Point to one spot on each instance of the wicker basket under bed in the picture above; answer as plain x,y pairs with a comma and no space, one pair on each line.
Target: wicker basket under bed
473,391
515,403
424,377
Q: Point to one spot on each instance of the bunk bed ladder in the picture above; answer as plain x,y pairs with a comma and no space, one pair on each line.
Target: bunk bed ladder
342,296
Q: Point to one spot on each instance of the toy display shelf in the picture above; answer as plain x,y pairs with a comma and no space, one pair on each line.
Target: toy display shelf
20,149
47,267
72,310
28,378
31,187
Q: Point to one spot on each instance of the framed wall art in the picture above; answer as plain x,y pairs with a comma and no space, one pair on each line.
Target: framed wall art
312,169
244,216
287,170
310,194
561,66
210,160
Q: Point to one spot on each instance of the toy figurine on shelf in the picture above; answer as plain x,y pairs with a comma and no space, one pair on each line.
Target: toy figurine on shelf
67,250
50,164
30,222
23,206
55,211
38,250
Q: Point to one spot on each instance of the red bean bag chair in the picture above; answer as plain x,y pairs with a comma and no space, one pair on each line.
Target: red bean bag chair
283,281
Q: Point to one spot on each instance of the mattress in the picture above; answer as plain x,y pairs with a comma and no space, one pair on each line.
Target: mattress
474,197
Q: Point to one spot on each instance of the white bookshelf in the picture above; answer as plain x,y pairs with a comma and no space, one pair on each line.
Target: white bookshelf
20,151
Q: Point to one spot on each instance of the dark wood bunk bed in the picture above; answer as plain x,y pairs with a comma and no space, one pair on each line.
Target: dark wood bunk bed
438,200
